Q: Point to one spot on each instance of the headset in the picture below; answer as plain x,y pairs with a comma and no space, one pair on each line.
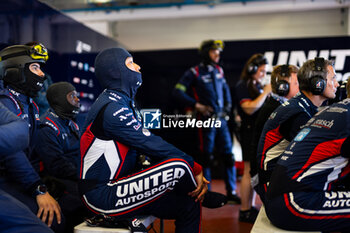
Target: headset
317,82
253,67
282,86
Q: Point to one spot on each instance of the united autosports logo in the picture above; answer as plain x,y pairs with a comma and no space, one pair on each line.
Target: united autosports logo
151,118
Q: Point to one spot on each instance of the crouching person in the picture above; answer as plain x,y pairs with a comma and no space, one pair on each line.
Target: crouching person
113,137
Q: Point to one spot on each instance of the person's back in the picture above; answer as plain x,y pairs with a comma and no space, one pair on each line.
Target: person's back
284,83
306,183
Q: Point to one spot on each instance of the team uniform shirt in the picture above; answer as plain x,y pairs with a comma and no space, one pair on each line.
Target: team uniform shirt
58,147
270,105
278,131
307,181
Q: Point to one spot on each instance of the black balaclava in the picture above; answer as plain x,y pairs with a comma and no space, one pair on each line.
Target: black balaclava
32,84
56,95
113,74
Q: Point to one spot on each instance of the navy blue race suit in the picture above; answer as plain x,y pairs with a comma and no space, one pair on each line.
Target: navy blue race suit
112,140
306,190
281,127
58,147
209,87
59,152
15,216
25,108
270,104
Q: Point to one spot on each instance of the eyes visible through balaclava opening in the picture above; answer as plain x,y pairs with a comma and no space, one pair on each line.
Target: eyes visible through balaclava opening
72,98
36,69
129,62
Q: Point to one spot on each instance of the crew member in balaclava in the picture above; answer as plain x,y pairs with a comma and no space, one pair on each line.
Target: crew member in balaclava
58,149
113,137
20,69
204,89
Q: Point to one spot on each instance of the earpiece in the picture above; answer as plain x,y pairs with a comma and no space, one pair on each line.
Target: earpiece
317,83
282,86
253,67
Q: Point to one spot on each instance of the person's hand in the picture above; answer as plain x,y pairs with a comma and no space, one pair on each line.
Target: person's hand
48,207
202,187
267,88
205,110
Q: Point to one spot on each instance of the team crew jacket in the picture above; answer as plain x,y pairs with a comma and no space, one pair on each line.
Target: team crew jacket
20,165
270,105
112,139
15,216
292,114
209,87
58,147
306,183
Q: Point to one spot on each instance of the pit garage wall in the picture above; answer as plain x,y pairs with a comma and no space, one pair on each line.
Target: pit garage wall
180,33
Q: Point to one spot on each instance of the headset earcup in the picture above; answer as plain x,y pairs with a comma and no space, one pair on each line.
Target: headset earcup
252,68
13,75
317,85
282,87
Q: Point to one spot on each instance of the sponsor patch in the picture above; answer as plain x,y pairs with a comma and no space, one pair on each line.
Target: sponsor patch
302,134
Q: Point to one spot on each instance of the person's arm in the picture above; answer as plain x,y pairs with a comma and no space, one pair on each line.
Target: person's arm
291,127
180,91
345,148
50,152
227,98
19,167
14,132
251,106
131,133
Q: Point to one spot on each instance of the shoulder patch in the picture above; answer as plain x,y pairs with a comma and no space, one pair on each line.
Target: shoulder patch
302,134
52,124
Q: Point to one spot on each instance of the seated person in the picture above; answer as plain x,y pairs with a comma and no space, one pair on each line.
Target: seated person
113,137
20,68
317,83
284,85
58,149
306,192
15,216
